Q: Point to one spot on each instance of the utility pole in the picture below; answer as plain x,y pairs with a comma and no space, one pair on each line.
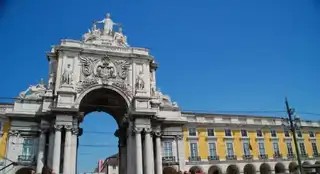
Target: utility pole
290,112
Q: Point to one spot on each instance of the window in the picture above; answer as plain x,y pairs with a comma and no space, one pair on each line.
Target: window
212,149
261,148
286,133
299,134
192,132
194,149
302,149
273,133
314,148
227,132
246,148
311,134
276,149
210,132
289,148
167,149
259,133
230,149
28,148
244,133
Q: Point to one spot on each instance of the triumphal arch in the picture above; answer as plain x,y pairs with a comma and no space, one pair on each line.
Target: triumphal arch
101,72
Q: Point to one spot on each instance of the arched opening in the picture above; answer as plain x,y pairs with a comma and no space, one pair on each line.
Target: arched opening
249,169
25,170
265,168
293,167
195,170
233,169
169,170
103,111
279,168
306,163
214,170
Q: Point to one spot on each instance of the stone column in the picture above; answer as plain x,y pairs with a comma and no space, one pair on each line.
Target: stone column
74,146
148,152
57,149
41,149
139,165
158,153
50,150
123,159
67,150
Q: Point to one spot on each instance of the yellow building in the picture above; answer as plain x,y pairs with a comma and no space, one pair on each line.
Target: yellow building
216,143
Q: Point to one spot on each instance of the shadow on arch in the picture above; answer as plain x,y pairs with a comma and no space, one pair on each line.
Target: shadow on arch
105,99
25,170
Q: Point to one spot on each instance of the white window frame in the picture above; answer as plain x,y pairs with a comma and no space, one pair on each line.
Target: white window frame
195,142
314,142
289,142
264,148
262,136
273,143
195,131
276,134
230,132
232,148
216,147
248,142
214,132
246,133
164,151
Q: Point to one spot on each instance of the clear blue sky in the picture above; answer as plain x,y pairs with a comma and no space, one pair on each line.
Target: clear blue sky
213,55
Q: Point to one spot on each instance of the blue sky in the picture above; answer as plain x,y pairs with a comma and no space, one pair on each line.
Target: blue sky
213,55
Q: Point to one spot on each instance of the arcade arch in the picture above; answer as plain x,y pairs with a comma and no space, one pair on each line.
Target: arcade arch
233,169
249,169
265,168
25,170
169,170
214,170
195,169
279,168
293,167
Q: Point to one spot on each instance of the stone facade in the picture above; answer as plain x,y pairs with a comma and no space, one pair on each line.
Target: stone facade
101,73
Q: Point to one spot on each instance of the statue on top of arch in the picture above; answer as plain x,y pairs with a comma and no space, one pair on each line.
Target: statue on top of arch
106,35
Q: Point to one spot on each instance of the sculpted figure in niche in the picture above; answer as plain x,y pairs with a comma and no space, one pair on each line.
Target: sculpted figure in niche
67,75
108,24
139,81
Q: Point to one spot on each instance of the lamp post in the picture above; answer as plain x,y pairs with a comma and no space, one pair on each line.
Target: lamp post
292,124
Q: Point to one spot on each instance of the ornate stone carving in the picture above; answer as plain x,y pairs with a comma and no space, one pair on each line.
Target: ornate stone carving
147,130
140,81
179,137
105,71
87,65
163,101
43,130
158,134
106,35
57,127
34,92
67,76
75,131
137,130
68,127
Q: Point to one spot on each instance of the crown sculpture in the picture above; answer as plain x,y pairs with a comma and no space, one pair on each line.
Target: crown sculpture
106,35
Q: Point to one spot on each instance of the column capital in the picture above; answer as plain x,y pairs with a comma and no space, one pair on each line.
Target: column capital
68,127
148,130
179,137
43,130
75,131
57,127
137,130
157,134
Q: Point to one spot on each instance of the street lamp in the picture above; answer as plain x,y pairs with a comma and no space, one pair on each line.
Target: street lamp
293,124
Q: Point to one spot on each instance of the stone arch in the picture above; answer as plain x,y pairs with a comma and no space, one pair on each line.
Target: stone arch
104,98
233,169
279,168
25,170
265,168
249,169
293,167
195,169
214,170
305,163
169,170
